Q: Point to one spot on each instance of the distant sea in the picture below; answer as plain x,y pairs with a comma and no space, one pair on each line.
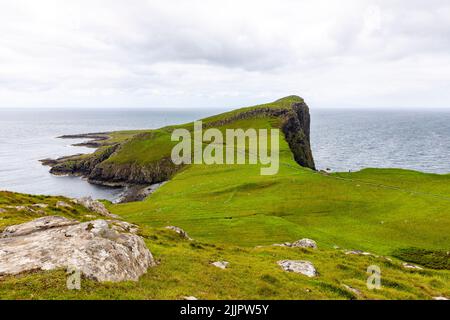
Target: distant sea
342,140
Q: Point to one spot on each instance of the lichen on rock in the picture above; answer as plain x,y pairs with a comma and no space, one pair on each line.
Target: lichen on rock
99,251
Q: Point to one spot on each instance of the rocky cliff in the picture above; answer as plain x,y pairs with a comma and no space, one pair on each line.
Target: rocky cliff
101,167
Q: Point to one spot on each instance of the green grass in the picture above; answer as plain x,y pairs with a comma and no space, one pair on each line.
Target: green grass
184,270
230,210
16,208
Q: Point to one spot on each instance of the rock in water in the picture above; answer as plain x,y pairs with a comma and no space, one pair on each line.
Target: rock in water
304,267
99,252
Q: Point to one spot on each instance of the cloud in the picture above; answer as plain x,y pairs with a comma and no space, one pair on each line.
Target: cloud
216,53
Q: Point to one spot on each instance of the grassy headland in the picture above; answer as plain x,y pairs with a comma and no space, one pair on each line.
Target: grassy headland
235,214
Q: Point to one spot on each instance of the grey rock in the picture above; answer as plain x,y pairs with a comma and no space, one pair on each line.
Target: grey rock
62,204
180,231
411,266
95,206
122,226
192,298
221,264
305,243
40,205
440,298
358,253
303,267
94,248
353,290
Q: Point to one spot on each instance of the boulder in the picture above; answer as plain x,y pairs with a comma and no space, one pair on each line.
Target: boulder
99,251
304,267
305,243
353,290
221,264
95,206
40,205
62,204
180,231
440,298
358,253
411,266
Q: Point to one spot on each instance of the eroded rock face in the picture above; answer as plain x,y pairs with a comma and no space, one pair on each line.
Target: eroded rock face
95,248
303,267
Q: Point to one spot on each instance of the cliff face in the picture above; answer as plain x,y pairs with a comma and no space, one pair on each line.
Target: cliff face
296,130
295,124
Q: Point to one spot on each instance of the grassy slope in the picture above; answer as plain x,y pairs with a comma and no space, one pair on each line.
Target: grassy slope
230,210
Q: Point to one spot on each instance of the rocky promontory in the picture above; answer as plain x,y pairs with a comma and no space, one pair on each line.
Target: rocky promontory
143,158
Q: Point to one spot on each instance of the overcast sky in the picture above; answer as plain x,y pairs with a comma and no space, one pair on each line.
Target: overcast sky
187,53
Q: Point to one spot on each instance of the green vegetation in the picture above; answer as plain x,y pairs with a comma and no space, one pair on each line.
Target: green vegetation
434,259
18,208
235,214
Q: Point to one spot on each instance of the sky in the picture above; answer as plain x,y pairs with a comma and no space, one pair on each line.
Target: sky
215,54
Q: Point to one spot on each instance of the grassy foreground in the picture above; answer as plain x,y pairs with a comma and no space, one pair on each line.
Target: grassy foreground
235,214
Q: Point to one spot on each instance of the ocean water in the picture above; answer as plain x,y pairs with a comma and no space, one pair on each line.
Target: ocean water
342,140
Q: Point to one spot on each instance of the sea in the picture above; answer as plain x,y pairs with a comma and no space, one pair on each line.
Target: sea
342,140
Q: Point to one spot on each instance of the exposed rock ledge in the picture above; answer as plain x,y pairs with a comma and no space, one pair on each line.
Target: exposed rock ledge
101,250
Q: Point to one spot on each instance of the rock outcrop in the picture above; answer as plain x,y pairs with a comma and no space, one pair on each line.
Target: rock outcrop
303,267
99,249
94,206
221,264
180,231
303,243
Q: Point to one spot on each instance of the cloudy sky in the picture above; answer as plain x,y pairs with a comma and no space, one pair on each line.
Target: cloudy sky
189,53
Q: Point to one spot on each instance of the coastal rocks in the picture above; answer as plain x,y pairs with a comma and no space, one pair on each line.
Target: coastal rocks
303,267
296,129
180,231
138,193
94,206
221,264
99,251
